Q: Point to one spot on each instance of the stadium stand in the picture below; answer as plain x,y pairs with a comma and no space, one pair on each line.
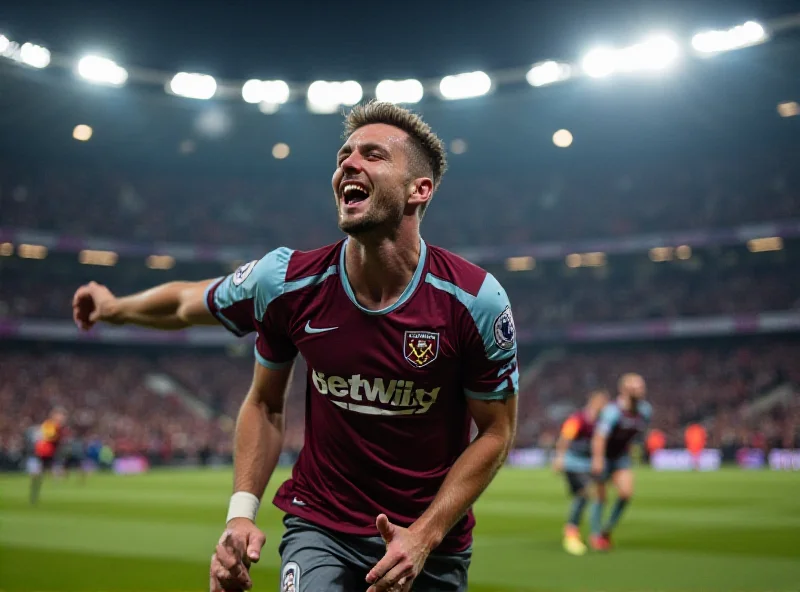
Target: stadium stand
524,210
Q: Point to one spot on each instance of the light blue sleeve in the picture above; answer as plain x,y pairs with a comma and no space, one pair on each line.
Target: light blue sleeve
646,410
608,419
241,299
493,372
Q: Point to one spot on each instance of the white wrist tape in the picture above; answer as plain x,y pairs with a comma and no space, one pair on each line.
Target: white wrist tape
243,505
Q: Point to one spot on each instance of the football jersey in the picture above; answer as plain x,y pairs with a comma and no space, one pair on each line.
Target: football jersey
386,390
622,427
579,428
49,438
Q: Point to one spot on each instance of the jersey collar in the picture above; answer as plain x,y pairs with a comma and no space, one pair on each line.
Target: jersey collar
407,293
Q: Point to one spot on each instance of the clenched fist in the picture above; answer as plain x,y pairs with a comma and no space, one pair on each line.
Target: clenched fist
92,303
238,547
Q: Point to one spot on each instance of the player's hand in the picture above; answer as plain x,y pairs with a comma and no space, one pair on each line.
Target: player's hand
406,552
238,547
597,467
92,303
558,464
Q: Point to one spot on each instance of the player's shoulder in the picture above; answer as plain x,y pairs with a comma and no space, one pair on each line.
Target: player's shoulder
577,417
454,269
305,264
282,266
478,291
475,287
646,409
610,411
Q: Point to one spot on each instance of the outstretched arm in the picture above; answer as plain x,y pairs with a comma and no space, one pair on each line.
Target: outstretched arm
174,305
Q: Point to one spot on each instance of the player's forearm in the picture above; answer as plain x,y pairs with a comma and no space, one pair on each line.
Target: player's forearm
562,444
257,446
469,477
173,305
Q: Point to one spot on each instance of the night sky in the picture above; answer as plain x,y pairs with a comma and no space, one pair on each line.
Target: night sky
301,41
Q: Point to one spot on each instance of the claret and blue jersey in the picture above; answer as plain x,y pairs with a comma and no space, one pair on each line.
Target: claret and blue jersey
622,427
387,390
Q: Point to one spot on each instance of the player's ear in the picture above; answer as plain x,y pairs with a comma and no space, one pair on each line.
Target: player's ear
421,191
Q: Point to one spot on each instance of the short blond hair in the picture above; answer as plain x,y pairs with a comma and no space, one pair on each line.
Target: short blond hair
429,155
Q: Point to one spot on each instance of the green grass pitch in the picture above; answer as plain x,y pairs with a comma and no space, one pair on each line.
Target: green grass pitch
724,531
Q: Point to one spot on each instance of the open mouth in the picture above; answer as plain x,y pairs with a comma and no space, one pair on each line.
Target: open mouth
354,193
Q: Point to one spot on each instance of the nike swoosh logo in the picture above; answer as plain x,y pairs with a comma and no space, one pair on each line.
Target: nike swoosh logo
310,329
297,502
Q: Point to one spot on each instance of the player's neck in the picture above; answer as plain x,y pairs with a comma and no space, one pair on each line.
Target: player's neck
380,269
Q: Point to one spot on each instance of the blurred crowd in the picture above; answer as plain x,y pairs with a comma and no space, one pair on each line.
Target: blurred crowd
555,296
466,211
114,398
628,292
715,384
107,399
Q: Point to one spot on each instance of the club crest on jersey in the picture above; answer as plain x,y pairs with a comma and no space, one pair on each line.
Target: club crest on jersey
290,582
421,348
242,272
505,333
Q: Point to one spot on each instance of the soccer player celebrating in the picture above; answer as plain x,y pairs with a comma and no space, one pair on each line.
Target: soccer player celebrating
573,457
405,344
619,423
48,439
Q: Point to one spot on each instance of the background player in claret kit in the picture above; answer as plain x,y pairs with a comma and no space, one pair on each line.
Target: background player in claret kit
405,344
48,440
573,457
620,422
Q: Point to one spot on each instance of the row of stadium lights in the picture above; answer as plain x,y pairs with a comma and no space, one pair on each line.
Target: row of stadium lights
83,133
657,255
86,256
573,260
655,53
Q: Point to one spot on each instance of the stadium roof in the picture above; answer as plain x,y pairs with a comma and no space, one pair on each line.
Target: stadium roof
308,40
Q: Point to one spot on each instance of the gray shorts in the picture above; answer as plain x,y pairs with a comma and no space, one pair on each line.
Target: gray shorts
315,559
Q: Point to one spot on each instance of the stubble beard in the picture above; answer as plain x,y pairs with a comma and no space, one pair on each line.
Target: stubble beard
384,213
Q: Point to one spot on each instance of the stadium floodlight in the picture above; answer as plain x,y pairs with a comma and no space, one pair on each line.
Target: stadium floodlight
465,86
275,92
599,62
655,53
562,138
34,55
327,97
102,71
745,35
82,132
399,91
193,86
549,72
268,108
5,43
789,109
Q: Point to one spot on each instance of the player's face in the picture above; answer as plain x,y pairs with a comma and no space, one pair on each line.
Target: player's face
59,417
371,184
635,390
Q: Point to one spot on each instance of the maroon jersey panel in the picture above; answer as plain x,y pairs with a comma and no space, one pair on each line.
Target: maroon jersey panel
387,391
